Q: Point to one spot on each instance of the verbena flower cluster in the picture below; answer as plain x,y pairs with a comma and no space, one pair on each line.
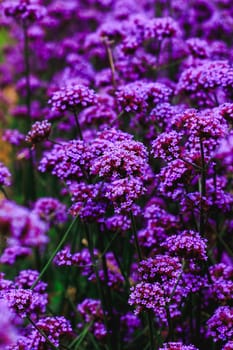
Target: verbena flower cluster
116,164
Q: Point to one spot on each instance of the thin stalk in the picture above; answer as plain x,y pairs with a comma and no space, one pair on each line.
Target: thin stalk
29,190
111,61
151,330
133,224
149,316
170,324
119,264
198,319
226,246
26,53
79,130
176,284
79,339
203,189
2,189
190,163
170,335
55,252
99,284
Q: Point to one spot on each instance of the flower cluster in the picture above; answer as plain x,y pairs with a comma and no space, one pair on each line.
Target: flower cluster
220,324
188,245
40,131
71,97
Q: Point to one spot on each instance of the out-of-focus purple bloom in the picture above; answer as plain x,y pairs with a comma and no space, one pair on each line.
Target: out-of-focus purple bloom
11,253
30,10
13,137
50,210
8,326
118,223
129,323
22,225
228,345
5,175
198,47
91,311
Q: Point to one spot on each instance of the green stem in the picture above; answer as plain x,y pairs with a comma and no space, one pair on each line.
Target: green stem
79,339
55,252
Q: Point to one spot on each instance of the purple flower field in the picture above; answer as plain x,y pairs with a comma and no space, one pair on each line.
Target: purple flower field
116,175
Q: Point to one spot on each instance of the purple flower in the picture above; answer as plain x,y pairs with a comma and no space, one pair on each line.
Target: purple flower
187,245
124,192
198,47
91,311
24,227
167,146
40,131
5,175
24,9
118,223
146,296
51,210
121,158
161,28
205,78
11,253
26,278
54,328
72,97
25,301
228,345
220,325
129,324
8,326
138,96
13,136
161,268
